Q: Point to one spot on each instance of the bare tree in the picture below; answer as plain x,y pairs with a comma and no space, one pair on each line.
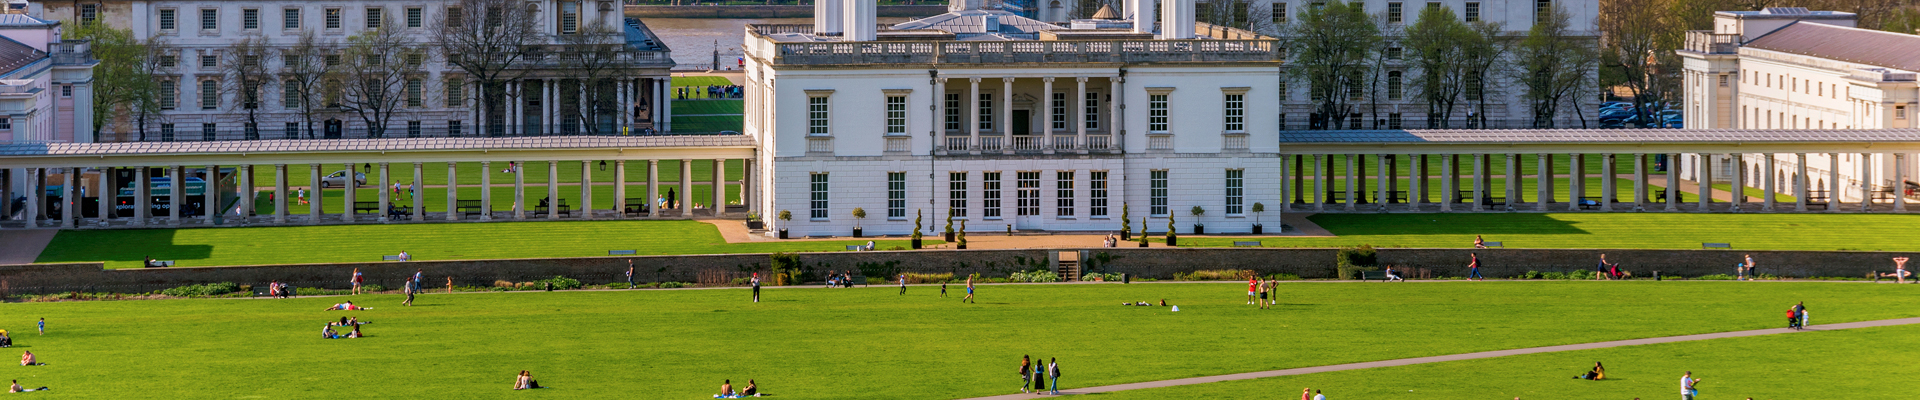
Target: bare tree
304,66
1377,69
144,99
1433,48
597,58
1330,48
243,66
1641,36
125,76
378,66
486,39
1487,48
1553,66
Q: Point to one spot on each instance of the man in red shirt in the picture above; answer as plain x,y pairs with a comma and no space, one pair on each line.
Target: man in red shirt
1252,286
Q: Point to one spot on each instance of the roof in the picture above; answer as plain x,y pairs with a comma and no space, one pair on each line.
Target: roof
14,55
1855,45
23,20
1460,136
1106,12
968,23
337,145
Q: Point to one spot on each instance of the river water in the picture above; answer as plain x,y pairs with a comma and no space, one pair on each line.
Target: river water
694,40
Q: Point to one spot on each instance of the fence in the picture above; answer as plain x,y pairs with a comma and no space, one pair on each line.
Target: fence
410,131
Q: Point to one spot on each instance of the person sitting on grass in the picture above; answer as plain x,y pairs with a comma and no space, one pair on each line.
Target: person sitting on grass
5,341
355,334
726,390
17,389
752,390
27,360
1597,373
347,306
328,333
525,381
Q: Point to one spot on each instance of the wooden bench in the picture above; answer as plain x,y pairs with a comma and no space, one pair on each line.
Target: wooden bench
160,264
1716,246
1237,243
1493,244
401,213
390,258
369,207
563,209
1584,205
1372,275
469,207
636,207
1396,196
622,252
1491,201
264,290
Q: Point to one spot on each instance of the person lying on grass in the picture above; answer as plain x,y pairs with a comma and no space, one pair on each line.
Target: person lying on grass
347,306
17,389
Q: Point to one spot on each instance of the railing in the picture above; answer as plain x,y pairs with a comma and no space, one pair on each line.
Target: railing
1234,142
823,144
277,131
1026,143
1882,75
1016,51
1099,142
1163,142
71,52
900,144
957,143
1062,142
992,143
1711,43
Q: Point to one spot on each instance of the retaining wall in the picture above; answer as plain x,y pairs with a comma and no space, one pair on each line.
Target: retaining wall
764,11
1154,263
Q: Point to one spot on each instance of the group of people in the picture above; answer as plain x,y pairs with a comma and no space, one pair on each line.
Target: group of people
839,279
712,91
727,392
1043,378
1311,394
1267,291
277,289
347,306
329,333
1797,316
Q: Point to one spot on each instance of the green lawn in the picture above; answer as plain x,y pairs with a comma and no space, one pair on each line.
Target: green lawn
1877,232
682,81
709,124
874,343
708,107
359,243
434,199
535,171
1497,187
1850,364
1779,196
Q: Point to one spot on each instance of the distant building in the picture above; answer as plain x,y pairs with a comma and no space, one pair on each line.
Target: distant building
46,83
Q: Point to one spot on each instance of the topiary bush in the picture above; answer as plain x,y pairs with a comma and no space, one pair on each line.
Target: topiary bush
210,289
558,282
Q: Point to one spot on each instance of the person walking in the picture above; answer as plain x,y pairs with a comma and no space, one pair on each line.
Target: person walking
409,286
357,280
1688,385
903,284
755,282
419,275
1750,272
1473,267
969,297
943,289
1053,374
1039,378
1026,373
1801,309
630,284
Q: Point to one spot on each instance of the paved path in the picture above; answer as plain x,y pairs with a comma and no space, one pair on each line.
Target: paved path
22,246
1454,357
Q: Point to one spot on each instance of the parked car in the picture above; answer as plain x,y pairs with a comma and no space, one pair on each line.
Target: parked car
1612,124
1673,124
1615,104
339,179
1616,114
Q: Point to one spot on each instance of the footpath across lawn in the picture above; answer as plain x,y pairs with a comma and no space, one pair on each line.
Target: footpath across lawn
359,243
874,343
1866,232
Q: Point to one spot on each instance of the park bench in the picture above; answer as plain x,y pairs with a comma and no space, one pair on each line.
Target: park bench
1493,244
622,252
1396,196
1716,246
1660,196
160,264
265,290
468,207
1237,243
401,213
563,208
1585,205
1372,275
366,207
1817,198
1491,201
636,207
390,258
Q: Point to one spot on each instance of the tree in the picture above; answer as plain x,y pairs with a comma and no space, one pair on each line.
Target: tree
1553,66
1330,47
1126,225
486,39
1641,36
859,214
243,65
305,67
378,74
1433,48
597,58
1377,70
1257,209
123,82
1486,48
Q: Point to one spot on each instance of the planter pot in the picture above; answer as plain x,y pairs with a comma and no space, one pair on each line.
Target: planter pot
1199,229
783,233
1143,244
856,232
756,224
960,246
916,243
1173,241
1126,235
949,236
1257,229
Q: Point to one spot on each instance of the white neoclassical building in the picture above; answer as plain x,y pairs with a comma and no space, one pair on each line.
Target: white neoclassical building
1012,123
1791,68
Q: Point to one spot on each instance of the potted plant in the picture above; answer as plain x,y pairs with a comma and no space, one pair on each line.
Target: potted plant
784,217
1199,228
916,229
949,231
962,236
754,222
1143,231
1126,225
1173,239
1257,209
859,214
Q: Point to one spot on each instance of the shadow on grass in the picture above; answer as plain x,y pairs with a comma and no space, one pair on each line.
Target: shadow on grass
1445,224
120,245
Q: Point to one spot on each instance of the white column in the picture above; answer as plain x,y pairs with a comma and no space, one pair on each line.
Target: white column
1380,196
553,189
314,212
386,193
1738,163
1768,188
279,194
1543,181
939,108
1046,108
1639,181
1480,184
1319,187
1608,185
1416,182
419,192
973,113
1704,172
1079,104
1866,182
347,194
1005,123
1351,182
247,194
519,189
1446,183
719,186
486,191
1673,182
143,193
1833,182
1899,182
1286,171
107,195
653,189
36,193
453,191
620,189
70,207
686,188
1514,180
586,189
1800,182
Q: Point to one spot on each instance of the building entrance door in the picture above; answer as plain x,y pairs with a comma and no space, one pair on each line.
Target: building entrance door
1027,191
1022,123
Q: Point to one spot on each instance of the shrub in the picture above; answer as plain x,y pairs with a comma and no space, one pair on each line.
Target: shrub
618,285
210,289
1094,276
371,288
672,285
1352,260
1212,275
1033,276
1531,275
1716,277
558,282
1553,275
503,284
915,277
1284,277
1581,274
738,282
307,291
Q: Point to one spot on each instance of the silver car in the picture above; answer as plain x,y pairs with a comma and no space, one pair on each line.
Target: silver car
339,179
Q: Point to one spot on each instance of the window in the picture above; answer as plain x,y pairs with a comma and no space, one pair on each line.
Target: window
1063,194
332,60
453,17
957,194
290,94
89,12
1279,13
896,115
1157,113
1473,11
1283,90
209,19
453,127
1236,111
1396,53
333,18
569,17
990,195
1093,111
374,16
167,95
414,96
250,94
209,61
1027,192
817,116
819,203
415,18
415,59
375,59
1723,80
1542,10
1355,92
953,111
6,123
413,129
896,195
169,61
66,90
1473,87
1157,192
1059,110
207,131
1097,194
1394,13
250,60
250,18
456,93
1282,122
292,61
166,132
209,94
1236,190
290,19
1899,112
1395,85
167,20
1393,121
291,130
986,111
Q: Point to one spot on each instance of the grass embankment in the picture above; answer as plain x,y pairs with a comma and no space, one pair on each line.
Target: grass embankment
874,343
1875,232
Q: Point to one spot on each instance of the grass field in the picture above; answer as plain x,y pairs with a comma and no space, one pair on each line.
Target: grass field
682,81
360,243
709,124
873,343
535,171
1876,232
734,107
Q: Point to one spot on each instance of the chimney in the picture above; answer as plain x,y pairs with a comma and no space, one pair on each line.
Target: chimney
860,25
826,17
1176,19
1141,11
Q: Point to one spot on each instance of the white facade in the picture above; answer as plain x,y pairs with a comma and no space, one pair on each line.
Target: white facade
1781,69
898,138
47,95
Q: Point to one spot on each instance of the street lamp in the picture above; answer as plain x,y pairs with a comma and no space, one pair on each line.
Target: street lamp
603,165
